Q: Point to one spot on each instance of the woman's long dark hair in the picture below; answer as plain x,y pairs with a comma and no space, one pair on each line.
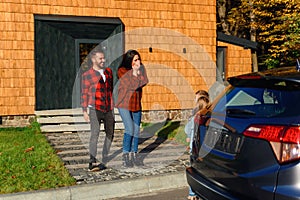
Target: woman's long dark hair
128,57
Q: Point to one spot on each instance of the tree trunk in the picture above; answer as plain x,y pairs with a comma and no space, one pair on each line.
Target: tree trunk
253,37
221,6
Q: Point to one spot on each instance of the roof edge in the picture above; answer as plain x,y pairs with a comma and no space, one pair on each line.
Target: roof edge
247,44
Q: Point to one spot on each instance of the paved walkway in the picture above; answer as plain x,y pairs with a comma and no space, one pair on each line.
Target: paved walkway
159,156
164,168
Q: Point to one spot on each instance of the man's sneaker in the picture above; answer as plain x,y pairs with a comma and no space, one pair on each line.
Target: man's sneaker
91,166
95,168
102,166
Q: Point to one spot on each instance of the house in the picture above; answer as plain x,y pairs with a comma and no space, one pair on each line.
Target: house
43,43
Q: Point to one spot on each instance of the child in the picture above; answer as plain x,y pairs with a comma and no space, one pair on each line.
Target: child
202,100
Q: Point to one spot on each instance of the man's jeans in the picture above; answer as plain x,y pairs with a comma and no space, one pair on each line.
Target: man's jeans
131,121
96,117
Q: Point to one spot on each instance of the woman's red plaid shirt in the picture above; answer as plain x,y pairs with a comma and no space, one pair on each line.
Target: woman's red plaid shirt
130,89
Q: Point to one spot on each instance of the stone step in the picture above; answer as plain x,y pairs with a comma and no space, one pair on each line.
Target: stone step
72,148
152,159
144,148
69,135
68,138
65,150
149,162
80,146
118,155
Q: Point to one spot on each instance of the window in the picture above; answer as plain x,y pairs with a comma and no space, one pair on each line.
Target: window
221,63
259,102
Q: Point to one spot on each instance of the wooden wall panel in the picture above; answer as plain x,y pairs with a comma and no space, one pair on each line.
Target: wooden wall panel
194,19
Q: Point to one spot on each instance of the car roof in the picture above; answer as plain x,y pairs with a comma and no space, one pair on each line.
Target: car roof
285,73
290,74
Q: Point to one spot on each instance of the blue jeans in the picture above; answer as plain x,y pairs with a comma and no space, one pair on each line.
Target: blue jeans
131,121
191,192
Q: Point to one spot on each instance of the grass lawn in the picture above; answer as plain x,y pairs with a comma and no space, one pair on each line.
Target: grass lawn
28,162
171,130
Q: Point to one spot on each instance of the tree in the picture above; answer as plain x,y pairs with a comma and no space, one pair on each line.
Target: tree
274,24
230,19
279,28
221,7
236,18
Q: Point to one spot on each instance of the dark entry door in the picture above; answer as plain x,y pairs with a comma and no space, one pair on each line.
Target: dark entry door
56,54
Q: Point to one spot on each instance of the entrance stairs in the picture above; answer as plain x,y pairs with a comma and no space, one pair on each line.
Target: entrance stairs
69,120
68,134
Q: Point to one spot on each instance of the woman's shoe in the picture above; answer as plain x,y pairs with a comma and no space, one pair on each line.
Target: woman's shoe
126,161
136,159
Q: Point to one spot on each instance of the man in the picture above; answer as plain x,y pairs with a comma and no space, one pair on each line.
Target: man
97,105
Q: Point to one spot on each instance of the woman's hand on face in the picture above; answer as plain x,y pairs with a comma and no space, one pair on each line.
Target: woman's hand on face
136,64
136,69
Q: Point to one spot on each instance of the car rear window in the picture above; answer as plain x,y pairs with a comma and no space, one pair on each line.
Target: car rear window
259,102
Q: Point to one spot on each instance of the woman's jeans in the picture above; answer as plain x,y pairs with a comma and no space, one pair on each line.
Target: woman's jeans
131,121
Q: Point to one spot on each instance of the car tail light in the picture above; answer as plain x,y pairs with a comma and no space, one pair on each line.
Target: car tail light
285,140
249,77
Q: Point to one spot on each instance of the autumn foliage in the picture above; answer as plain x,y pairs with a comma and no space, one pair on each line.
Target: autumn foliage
274,24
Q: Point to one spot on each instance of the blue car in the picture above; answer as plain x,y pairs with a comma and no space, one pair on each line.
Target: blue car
247,142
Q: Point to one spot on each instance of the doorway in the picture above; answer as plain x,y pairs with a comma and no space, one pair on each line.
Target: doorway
59,41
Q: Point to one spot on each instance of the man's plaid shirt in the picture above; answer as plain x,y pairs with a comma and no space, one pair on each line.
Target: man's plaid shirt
95,92
130,89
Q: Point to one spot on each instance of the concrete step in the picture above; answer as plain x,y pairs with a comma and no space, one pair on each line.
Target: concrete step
69,120
47,119
64,112
74,127
59,112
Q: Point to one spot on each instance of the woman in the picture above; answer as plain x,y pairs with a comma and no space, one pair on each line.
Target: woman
132,78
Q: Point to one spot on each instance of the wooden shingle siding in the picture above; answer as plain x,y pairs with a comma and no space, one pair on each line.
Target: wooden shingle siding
238,59
174,76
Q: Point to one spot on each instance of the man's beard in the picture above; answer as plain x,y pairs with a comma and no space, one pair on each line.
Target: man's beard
101,65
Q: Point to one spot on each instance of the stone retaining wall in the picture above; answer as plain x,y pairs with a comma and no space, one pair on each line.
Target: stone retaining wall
16,121
147,116
160,115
